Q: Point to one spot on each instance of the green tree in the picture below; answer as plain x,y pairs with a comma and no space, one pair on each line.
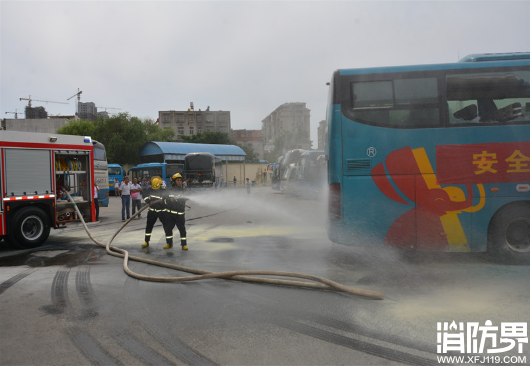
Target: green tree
220,138
78,128
252,156
122,135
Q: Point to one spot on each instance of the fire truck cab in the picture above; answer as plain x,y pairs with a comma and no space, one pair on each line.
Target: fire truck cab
35,169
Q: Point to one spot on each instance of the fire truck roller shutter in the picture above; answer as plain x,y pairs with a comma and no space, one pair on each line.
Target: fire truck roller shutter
30,227
29,171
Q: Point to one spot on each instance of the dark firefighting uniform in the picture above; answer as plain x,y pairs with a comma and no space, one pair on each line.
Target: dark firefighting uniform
174,214
154,210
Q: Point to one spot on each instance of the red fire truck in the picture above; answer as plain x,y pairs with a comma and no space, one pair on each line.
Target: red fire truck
34,170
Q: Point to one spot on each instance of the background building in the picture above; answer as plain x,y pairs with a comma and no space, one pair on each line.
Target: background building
87,111
322,132
44,125
191,122
289,117
249,138
36,112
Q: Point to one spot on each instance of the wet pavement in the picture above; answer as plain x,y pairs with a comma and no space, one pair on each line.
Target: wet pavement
69,302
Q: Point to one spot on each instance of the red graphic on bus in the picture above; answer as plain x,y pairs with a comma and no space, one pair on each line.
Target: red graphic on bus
432,223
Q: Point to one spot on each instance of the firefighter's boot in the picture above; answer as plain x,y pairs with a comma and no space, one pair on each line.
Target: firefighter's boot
168,246
183,244
145,245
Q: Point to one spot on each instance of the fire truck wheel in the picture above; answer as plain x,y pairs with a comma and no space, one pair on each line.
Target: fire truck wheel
30,228
509,234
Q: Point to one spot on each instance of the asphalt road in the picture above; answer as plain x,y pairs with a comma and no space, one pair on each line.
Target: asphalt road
70,303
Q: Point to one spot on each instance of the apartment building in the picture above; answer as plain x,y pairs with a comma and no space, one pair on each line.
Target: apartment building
87,111
249,138
289,117
322,134
191,122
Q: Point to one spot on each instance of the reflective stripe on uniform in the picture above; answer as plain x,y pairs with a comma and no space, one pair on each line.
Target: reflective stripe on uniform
182,238
169,237
146,234
175,212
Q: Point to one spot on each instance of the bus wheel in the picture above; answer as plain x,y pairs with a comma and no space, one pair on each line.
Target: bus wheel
30,228
509,235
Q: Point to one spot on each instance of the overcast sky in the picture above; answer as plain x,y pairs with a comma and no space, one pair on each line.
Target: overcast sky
239,56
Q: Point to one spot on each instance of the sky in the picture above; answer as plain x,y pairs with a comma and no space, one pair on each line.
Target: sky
246,57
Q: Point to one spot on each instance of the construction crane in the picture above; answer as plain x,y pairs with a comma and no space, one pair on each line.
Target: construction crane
37,100
78,100
15,113
78,95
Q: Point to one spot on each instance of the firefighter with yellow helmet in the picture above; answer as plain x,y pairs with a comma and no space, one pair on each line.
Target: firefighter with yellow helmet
174,214
154,198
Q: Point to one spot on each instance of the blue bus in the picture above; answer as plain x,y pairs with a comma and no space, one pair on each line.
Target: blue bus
432,157
101,173
162,170
115,175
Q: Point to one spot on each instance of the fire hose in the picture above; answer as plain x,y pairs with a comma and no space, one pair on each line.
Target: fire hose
321,283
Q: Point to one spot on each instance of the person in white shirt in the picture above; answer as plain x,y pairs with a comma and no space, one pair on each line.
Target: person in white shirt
248,183
96,201
136,197
125,192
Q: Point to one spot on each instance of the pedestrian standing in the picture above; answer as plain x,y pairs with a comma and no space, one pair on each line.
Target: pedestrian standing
174,215
145,187
125,192
248,183
136,197
235,180
96,199
116,187
153,197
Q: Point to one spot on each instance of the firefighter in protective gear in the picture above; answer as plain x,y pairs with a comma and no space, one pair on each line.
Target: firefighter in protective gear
153,197
174,215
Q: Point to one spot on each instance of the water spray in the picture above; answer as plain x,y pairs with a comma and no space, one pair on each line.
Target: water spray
321,283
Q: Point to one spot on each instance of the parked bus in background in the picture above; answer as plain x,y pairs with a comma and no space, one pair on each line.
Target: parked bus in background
288,171
150,170
276,174
312,173
432,157
101,173
203,170
115,174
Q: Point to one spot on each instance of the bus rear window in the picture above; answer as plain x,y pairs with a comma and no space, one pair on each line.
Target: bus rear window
99,153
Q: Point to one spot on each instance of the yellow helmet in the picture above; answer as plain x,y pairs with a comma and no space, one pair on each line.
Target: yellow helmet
174,177
156,182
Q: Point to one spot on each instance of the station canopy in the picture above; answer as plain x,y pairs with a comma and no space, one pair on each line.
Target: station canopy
173,151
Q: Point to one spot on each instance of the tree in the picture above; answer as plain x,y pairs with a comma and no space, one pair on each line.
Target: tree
252,156
219,138
122,135
78,128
